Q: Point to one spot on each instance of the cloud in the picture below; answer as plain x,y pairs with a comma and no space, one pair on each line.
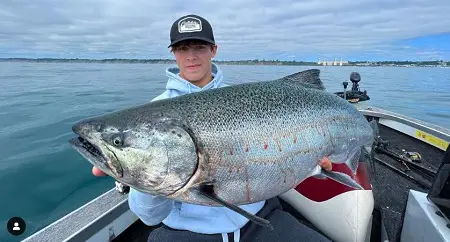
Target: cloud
244,29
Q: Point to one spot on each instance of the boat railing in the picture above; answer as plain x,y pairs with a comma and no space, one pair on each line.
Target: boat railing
101,219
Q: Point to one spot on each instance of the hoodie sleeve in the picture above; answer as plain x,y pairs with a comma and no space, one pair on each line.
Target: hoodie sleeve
152,210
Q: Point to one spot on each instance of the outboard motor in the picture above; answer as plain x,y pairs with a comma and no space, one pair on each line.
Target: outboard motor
355,78
354,95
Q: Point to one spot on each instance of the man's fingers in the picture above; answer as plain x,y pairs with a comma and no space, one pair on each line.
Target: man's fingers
326,164
97,172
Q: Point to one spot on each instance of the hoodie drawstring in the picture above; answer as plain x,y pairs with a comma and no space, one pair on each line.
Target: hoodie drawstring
236,236
224,237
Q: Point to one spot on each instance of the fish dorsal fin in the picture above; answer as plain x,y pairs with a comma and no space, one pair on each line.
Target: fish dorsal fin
309,78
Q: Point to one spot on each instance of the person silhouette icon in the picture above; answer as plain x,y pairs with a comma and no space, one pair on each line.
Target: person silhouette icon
16,226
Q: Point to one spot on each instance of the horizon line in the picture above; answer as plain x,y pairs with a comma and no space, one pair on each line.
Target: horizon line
237,60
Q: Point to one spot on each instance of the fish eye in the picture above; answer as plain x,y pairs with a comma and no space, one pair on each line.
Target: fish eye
117,140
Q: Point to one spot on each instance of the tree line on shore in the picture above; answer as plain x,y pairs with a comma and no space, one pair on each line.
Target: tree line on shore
230,62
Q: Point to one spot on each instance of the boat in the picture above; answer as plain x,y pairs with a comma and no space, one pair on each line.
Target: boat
406,195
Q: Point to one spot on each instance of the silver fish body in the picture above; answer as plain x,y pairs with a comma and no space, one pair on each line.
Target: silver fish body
250,142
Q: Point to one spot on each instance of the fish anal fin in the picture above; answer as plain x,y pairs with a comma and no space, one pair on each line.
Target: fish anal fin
208,191
309,78
339,177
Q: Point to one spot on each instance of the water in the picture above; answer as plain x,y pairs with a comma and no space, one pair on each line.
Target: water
42,178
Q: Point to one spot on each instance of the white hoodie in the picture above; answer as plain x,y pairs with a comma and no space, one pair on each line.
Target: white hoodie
196,218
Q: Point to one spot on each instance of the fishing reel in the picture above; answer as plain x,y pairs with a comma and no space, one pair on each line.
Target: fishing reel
413,156
121,188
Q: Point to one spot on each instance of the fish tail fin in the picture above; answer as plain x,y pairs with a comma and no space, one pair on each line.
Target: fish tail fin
375,129
351,160
376,135
369,150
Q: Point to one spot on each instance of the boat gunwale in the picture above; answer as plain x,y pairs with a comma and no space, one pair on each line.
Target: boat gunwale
112,205
430,128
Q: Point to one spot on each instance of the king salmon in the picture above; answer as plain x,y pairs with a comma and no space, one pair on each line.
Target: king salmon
229,146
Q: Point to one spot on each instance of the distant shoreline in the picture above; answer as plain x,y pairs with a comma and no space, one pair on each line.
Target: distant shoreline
236,62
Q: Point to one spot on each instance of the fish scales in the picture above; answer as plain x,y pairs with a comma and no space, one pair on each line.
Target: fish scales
256,113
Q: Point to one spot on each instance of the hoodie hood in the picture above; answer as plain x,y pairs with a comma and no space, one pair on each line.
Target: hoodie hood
176,85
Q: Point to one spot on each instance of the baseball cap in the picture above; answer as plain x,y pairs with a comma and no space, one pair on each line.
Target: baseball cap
191,27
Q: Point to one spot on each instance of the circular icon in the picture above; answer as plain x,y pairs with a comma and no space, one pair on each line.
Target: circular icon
16,226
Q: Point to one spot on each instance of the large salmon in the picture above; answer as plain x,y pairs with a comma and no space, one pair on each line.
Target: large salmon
228,146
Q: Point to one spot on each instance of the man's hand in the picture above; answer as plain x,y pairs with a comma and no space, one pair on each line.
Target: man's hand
97,172
326,164
121,188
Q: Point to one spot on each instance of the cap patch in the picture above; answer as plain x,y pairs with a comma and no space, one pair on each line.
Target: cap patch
189,24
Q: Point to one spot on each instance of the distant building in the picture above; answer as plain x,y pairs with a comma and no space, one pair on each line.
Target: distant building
332,63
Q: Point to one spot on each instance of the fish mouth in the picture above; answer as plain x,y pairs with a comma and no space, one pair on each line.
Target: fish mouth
89,150
97,157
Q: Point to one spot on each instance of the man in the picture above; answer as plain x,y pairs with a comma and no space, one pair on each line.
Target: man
193,45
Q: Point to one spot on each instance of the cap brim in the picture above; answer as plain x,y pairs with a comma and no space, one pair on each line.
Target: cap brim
191,38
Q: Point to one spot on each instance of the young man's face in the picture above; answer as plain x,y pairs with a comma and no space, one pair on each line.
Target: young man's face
194,60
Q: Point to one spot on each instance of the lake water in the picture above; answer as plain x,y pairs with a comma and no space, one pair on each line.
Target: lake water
42,178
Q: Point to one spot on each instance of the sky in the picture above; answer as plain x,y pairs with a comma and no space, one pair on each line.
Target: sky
305,30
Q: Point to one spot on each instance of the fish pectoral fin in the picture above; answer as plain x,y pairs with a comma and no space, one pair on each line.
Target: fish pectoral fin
339,177
208,191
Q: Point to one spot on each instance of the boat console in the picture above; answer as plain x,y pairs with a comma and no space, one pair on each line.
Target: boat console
355,94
